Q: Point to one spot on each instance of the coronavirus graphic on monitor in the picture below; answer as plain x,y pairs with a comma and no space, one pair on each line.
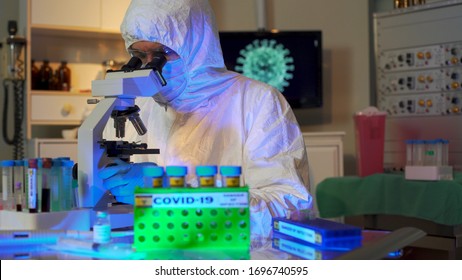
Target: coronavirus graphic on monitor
267,61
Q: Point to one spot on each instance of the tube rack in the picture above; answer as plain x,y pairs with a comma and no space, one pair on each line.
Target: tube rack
192,218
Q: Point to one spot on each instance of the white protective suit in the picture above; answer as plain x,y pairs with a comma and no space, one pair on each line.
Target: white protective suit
207,115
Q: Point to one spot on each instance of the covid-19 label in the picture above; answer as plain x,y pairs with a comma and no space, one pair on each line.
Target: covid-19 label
202,200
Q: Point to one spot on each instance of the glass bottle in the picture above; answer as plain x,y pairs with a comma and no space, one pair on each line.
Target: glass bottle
34,75
153,176
18,175
418,152
206,175
45,74
66,184
25,194
445,153
46,184
54,81
430,154
7,184
102,228
176,176
55,183
64,76
32,185
230,176
439,152
409,150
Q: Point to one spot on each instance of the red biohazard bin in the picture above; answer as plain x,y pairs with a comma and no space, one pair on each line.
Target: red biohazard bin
370,141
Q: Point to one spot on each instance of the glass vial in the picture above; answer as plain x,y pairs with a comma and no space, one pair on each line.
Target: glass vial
153,176
409,148
445,153
439,152
176,176
418,152
430,152
45,184
230,176
55,185
206,175
25,198
32,185
102,228
18,175
66,190
7,184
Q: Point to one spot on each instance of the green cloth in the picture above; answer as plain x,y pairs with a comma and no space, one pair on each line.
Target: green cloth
436,201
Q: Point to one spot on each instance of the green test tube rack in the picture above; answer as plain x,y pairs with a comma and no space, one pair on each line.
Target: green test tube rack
192,218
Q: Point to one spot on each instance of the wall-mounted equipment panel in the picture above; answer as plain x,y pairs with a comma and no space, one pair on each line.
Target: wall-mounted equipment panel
418,67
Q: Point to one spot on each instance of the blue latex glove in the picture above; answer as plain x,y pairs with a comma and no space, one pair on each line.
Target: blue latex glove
122,178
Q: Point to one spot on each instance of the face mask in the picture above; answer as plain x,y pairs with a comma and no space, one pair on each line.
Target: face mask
174,74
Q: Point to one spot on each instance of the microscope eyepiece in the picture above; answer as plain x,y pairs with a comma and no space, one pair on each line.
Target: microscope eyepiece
132,64
158,61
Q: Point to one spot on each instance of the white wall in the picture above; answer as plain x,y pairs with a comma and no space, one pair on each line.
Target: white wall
345,27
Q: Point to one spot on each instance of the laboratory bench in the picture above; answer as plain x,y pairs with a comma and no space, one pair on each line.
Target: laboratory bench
78,245
389,202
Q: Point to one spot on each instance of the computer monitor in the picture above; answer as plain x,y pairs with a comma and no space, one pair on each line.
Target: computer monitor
291,61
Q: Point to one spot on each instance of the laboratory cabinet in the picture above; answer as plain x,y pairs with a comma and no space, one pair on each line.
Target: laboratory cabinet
53,148
66,109
104,15
325,156
83,33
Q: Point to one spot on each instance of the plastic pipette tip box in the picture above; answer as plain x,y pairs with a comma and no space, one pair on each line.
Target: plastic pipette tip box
320,232
302,249
192,218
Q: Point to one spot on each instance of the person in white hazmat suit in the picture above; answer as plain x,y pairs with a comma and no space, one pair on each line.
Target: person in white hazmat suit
207,115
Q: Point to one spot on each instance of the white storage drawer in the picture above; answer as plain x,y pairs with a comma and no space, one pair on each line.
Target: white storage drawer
53,148
59,108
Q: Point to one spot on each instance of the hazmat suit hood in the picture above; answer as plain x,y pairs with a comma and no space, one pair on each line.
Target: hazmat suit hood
188,28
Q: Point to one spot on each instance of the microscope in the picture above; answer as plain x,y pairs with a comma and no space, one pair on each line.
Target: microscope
115,98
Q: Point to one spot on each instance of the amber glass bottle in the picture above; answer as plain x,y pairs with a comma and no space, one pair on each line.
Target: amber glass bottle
45,74
64,76
54,81
34,75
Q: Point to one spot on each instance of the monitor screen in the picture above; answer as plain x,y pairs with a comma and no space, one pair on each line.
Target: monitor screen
291,61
